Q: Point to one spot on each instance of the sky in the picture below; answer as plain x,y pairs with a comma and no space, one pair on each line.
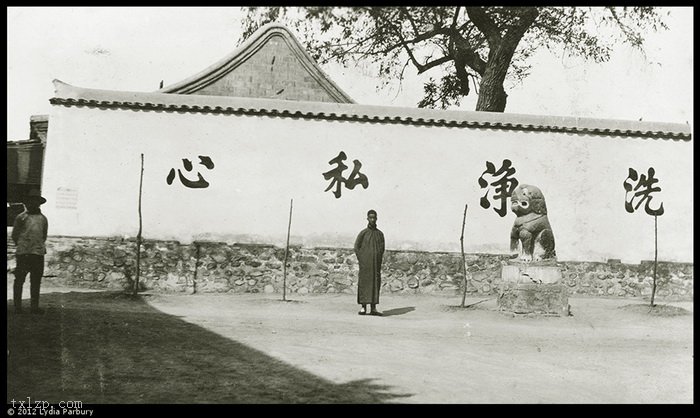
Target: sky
134,48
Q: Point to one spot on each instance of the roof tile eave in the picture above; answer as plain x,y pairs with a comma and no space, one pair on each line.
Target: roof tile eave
71,95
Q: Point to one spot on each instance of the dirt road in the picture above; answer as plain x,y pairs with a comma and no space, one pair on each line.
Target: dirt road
432,353
103,347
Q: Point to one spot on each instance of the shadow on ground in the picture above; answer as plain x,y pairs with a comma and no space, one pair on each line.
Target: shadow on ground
108,347
399,311
656,310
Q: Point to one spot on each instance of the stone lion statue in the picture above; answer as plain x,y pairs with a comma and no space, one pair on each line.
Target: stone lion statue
531,234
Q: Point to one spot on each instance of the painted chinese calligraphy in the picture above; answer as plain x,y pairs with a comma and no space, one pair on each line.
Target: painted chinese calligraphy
503,186
200,183
336,175
643,191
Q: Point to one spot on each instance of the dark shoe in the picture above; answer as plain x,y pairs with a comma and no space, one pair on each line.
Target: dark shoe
376,313
362,312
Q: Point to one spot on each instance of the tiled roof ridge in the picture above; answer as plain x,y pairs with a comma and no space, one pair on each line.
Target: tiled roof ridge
247,49
24,142
67,95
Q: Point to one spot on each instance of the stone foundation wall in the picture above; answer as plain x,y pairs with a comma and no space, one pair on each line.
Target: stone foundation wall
168,266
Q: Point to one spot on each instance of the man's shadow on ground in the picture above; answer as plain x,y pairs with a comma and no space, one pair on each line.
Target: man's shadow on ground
398,311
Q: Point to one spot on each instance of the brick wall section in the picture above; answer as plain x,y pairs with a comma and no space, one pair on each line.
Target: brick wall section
168,266
272,72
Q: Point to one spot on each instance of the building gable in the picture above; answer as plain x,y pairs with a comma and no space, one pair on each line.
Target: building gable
269,64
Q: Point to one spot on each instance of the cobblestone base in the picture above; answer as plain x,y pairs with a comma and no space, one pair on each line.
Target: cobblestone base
169,266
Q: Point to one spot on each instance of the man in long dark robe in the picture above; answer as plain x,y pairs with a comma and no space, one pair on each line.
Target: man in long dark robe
369,249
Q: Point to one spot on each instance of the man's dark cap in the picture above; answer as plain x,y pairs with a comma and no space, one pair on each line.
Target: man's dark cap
34,196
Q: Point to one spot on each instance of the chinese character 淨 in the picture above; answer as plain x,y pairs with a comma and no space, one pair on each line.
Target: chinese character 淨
641,191
502,186
200,183
337,179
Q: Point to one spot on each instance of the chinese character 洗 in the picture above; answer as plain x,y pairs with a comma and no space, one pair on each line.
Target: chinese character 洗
642,191
337,179
200,183
503,186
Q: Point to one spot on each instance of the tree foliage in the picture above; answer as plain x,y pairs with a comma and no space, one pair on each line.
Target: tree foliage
467,49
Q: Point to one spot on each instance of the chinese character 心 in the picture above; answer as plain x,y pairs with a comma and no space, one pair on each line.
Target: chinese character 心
504,186
336,174
642,190
200,183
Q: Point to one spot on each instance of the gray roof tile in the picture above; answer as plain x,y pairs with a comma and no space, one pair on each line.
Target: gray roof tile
68,95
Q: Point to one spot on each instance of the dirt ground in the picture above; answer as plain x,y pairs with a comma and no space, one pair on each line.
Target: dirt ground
104,347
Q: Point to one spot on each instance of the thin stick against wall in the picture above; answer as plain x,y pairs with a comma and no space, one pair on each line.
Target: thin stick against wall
286,251
138,237
196,265
464,260
656,257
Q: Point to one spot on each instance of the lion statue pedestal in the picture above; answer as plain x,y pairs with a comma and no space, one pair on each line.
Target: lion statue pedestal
532,284
533,288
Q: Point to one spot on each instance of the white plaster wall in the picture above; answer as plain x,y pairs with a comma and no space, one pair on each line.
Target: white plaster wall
419,181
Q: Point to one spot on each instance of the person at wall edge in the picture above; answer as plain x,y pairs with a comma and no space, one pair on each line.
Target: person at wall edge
29,234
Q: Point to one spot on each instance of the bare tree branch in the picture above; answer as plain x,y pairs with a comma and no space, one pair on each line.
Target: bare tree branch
469,56
410,20
525,19
422,37
454,18
403,69
634,38
484,23
435,63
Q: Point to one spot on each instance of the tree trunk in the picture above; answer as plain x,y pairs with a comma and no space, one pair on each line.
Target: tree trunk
492,96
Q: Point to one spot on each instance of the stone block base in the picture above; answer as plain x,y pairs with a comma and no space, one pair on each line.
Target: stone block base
530,273
533,288
534,298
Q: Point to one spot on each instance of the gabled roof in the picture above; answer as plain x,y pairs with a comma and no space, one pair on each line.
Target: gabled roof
67,95
248,70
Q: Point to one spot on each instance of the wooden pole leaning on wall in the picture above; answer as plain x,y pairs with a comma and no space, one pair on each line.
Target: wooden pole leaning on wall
656,258
286,252
138,236
464,260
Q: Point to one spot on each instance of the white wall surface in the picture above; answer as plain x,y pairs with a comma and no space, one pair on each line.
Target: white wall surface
419,181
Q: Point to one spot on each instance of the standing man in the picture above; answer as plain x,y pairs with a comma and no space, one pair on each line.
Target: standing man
29,234
369,249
